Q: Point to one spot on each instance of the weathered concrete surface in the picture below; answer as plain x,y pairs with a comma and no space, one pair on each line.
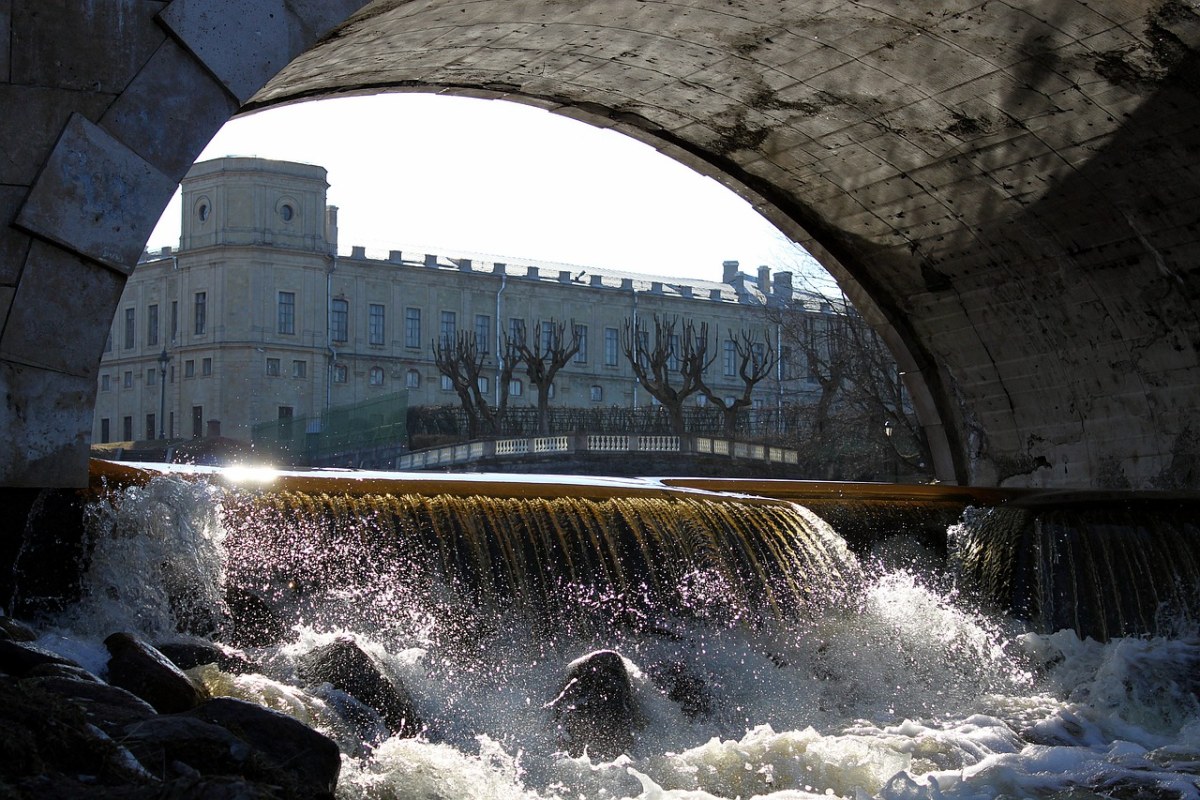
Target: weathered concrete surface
1006,189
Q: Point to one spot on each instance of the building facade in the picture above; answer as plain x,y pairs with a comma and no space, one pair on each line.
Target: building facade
256,318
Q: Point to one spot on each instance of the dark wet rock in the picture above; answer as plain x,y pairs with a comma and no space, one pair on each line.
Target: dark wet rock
18,658
597,710
365,722
71,671
346,666
309,757
45,737
107,707
684,687
252,621
187,655
141,669
16,631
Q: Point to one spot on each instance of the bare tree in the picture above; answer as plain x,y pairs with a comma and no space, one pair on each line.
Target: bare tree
550,351
670,368
862,422
462,362
755,360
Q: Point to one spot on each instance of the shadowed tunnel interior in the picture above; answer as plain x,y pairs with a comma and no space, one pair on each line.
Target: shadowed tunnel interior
1006,190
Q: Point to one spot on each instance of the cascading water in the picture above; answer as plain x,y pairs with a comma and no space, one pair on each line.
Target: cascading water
764,660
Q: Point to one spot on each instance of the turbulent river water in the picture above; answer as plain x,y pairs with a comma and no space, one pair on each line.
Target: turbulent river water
904,690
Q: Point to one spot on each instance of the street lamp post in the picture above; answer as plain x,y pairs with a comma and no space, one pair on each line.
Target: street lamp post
163,360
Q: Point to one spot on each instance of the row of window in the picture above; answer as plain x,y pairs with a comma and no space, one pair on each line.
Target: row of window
152,430
129,323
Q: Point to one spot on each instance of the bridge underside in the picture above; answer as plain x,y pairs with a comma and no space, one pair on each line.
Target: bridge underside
1007,190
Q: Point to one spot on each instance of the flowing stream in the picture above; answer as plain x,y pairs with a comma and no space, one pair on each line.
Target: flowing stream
816,675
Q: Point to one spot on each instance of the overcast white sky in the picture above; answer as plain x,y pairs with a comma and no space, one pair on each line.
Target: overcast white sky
445,174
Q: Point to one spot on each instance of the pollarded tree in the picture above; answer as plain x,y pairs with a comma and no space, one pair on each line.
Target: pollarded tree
754,362
671,367
862,415
462,362
550,351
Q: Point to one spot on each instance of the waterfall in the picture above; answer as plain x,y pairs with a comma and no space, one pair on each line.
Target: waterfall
1103,566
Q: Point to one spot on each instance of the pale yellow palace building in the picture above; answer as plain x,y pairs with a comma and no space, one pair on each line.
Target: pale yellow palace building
255,317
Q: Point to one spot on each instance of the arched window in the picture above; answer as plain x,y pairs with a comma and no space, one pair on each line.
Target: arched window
597,393
412,379
376,376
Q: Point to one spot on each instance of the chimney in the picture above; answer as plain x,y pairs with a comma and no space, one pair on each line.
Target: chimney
464,265
564,276
764,279
531,272
714,294
656,287
395,256
597,280
783,285
729,271
431,260
358,251
627,283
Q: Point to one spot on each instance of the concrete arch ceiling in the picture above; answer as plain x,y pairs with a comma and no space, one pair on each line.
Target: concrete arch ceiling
1008,190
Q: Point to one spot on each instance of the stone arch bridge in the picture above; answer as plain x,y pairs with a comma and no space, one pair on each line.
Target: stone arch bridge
1009,190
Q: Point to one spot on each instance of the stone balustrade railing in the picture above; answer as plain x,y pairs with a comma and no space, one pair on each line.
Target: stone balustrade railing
436,457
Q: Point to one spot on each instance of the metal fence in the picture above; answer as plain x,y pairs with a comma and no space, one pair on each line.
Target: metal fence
378,423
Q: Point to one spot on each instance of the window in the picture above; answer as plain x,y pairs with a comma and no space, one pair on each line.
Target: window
299,369
108,343
189,368
152,377
483,328
702,400
375,320
105,382
150,432
412,327
340,373
551,392
129,329
273,367
514,388
412,379
597,394
339,320
447,384
729,359
104,432
197,421
785,363
286,414
200,312
152,325
128,380
286,323
673,355
448,327
516,330
174,319
375,376
581,356
206,366
611,346
126,429
547,338
483,385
